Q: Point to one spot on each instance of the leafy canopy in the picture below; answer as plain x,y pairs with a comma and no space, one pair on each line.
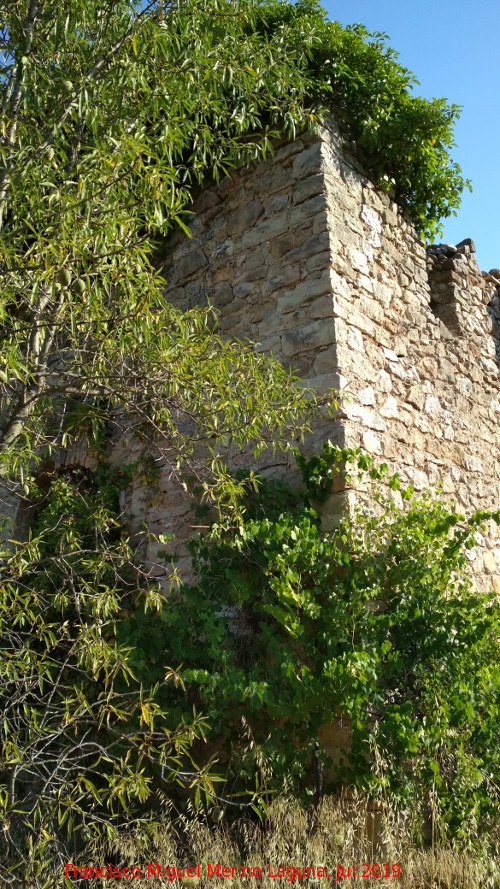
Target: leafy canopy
110,113
404,140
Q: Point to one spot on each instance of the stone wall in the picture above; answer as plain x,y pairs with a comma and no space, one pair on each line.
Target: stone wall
305,257
302,255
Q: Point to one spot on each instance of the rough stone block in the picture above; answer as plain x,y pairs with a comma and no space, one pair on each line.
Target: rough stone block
289,150
347,309
309,161
206,199
282,277
319,261
265,230
389,408
188,265
416,397
305,291
366,416
220,296
323,383
371,442
366,396
273,179
371,218
244,217
326,360
309,188
308,337
355,339
244,288
279,203
311,207
321,223
307,247
322,307
383,381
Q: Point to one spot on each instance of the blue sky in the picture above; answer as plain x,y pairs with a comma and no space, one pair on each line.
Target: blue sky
453,48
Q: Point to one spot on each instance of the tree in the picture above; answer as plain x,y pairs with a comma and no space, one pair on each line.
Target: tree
110,113
81,747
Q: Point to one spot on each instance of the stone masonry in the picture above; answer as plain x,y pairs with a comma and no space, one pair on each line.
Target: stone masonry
305,257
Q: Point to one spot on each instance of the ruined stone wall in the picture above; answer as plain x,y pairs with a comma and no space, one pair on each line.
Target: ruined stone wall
305,257
423,367
260,244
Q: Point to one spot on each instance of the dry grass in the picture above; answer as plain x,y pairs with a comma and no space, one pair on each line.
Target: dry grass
294,838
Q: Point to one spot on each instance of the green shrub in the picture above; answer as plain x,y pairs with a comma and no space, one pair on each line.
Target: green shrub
287,628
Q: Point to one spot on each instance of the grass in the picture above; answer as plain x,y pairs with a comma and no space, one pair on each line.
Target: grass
340,832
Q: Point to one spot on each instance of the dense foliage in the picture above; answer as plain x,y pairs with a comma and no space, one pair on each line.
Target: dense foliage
110,114
80,742
288,629
405,139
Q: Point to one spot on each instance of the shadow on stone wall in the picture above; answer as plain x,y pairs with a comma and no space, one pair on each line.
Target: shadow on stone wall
466,301
493,308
